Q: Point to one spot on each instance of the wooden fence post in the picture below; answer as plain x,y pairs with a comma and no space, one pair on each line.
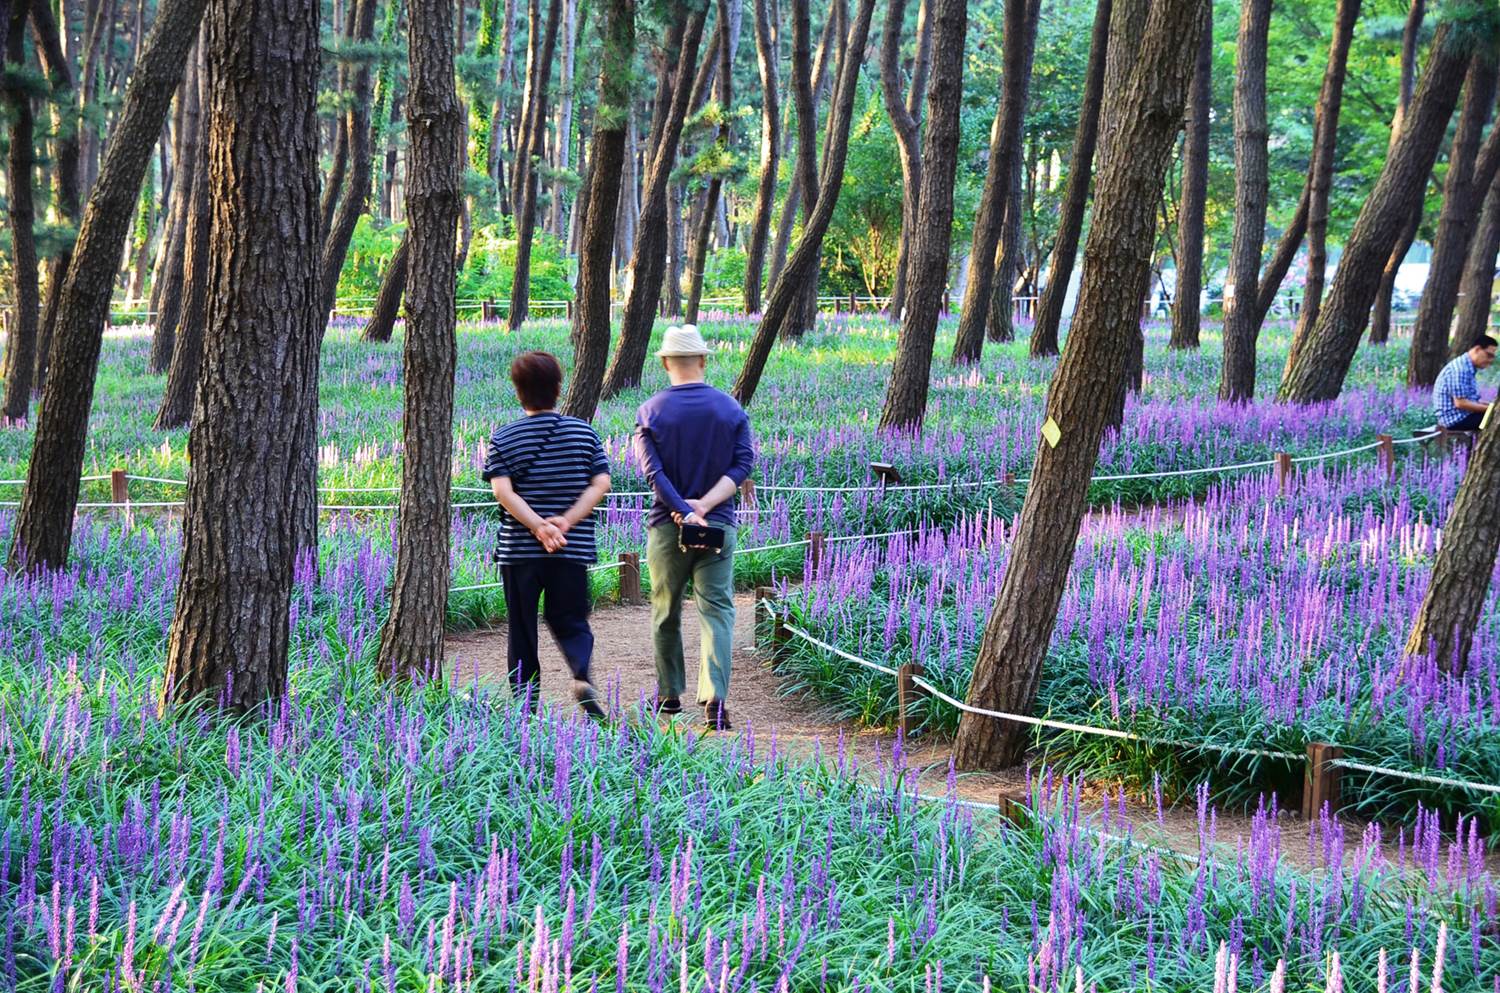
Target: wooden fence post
1012,811
853,304
119,493
815,552
887,473
630,578
1321,784
1387,455
906,695
1283,472
1009,479
781,638
764,617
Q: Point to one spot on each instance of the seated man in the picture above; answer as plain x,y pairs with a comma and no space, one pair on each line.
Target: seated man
1455,395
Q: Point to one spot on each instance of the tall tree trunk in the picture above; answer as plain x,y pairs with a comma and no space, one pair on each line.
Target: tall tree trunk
67,182
356,193
906,394
1380,310
91,77
192,170
999,326
792,204
1187,308
145,233
384,115
44,527
520,289
591,324
565,74
1478,285
770,156
20,341
903,114
1005,151
1380,318
1456,593
382,323
339,128
1251,179
412,640
482,112
1317,373
699,257
500,115
229,634
1470,171
1145,115
630,202
807,84
648,261
528,100
804,259
1045,329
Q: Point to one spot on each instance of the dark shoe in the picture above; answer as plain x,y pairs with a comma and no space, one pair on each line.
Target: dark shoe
669,706
588,700
716,717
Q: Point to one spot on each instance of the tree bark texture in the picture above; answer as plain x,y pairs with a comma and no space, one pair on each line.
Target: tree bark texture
649,260
499,117
1005,151
20,339
906,393
1380,311
356,191
770,156
904,123
1478,285
229,633
790,206
44,527
806,90
1251,179
1045,329
382,323
523,153
1470,171
805,258
1146,114
1318,372
1380,318
520,288
999,326
1187,308
698,258
412,640
187,166
591,323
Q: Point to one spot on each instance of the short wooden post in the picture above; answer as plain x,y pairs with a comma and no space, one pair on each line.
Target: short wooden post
119,493
487,310
630,578
1283,472
1009,479
1012,811
853,304
747,493
1387,454
906,695
814,552
764,616
568,309
888,474
781,638
1321,783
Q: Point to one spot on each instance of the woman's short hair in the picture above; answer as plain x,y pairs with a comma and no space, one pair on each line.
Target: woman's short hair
538,379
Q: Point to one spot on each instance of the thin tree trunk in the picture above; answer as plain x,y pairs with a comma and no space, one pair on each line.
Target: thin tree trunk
500,116
1005,151
699,257
591,324
481,112
1478,285
1380,310
1144,117
382,322
906,394
1380,318
67,181
630,202
1045,329
229,634
1317,373
648,261
44,527
412,640
1251,179
1000,324
520,290
334,187
20,340
804,260
1187,308
1470,171
528,100
192,170
92,141
565,76
356,194
903,114
807,86
384,114
770,157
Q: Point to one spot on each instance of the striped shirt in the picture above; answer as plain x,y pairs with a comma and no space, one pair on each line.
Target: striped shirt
550,459
1456,381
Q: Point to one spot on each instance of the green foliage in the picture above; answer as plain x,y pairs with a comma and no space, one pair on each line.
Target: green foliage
490,267
369,252
724,272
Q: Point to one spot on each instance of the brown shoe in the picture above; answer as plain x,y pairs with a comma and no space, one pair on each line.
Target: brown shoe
716,717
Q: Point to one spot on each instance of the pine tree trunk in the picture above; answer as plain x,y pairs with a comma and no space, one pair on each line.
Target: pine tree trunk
630,200
520,289
1380,311
383,116
481,111
1046,328
903,117
499,117
591,324
524,151
804,260
1144,114
20,340
387,307
44,527
1187,308
1251,134
412,640
1478,285
699,257
565,74
1470,171
67,153
770,157
807,83
999,326
1005,151
649,260
192,170
356,193
1318,372
1456,593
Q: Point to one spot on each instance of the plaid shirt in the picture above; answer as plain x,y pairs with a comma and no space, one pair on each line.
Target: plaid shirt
1455,381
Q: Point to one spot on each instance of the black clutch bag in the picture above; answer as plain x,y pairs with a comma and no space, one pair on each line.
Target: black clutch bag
700,538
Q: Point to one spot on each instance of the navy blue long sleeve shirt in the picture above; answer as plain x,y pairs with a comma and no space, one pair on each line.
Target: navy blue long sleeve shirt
686,439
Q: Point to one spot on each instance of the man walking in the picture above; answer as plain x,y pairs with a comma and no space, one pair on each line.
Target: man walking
695,446
1455,394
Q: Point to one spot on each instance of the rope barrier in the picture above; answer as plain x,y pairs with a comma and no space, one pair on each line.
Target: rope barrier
1420,777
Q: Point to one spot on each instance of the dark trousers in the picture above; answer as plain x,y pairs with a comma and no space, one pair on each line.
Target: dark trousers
1469,422
566,611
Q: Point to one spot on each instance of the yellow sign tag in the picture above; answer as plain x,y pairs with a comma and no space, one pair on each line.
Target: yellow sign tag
1488,411
1051,432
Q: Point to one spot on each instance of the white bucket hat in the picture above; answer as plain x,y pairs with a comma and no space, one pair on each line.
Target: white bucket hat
682,341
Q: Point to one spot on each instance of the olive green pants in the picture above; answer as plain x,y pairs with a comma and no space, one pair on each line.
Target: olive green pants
712,574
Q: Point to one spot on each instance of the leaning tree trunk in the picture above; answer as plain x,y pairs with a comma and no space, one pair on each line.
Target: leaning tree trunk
804,260
382,323
801,68
1478,285
1456,593
698,260
1380,312
520,287
906,395
1005,151
1145,114
1241,327
20,342
1470,171
1045,329
1318,372
770,157
1000,325
648,261
192,169
902,111
606,167
412,640
806,84
44,527
229,632
356,192
523,149
1187,311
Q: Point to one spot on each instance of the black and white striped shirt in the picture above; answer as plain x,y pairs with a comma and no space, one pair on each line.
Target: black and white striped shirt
550,459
